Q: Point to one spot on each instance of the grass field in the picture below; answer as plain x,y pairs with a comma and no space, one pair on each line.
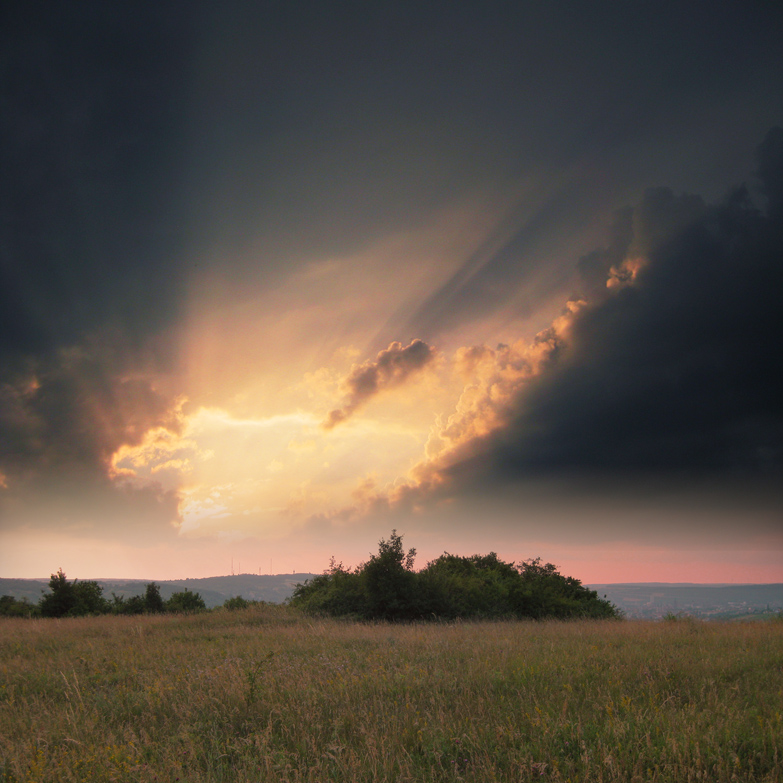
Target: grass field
266,695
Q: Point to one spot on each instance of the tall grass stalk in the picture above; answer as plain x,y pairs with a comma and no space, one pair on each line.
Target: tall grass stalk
264,694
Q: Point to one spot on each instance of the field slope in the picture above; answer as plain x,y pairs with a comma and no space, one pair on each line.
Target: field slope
267,695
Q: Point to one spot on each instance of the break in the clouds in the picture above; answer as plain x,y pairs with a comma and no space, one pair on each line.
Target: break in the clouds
391,368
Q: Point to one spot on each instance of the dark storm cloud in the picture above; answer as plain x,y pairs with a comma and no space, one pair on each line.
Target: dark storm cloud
131,136
92,236
582,84
391,368
673,367
90,506
770,172
130,132
317,130
61,419
73,413
91,230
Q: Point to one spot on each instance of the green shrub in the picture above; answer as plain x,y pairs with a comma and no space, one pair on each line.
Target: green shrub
132,605
149,603
389,581
480,586
153,602
338,592
72,599
16,607
237,602
185,601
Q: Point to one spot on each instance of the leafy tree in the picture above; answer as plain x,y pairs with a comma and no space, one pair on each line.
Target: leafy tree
60,600
389,581
149,603
118,603
544,592
72,599
475,586
338,592
89,599
153,602
387,587
132,605
185,601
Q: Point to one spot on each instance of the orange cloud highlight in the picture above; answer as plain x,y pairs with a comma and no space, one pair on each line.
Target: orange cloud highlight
493,381
391,368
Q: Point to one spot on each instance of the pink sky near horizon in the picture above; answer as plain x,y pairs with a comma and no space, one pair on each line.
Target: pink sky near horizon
591,564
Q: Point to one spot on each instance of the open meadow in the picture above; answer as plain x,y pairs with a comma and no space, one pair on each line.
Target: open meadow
266,694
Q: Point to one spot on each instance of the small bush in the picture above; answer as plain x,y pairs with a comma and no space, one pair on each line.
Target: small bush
132,605
14,607
185,601
237,602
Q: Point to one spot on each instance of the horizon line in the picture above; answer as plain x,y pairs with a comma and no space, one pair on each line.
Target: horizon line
313,573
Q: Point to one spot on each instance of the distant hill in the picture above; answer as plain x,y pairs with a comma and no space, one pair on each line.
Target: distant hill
31,589
710,601
274,588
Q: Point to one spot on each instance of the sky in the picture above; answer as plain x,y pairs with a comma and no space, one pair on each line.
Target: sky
279,278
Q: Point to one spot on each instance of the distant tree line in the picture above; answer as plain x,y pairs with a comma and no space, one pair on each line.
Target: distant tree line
81,598
480,586
386,587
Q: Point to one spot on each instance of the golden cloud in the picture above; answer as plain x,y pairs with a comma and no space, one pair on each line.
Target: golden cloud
392,367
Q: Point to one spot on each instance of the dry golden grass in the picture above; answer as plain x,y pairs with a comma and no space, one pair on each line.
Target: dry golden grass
267,695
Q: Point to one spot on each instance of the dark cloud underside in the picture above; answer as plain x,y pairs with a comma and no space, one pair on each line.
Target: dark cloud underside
90,135
676,371
91,249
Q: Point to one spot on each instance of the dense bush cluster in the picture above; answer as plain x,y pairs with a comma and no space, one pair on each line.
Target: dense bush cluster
480,586
79,598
